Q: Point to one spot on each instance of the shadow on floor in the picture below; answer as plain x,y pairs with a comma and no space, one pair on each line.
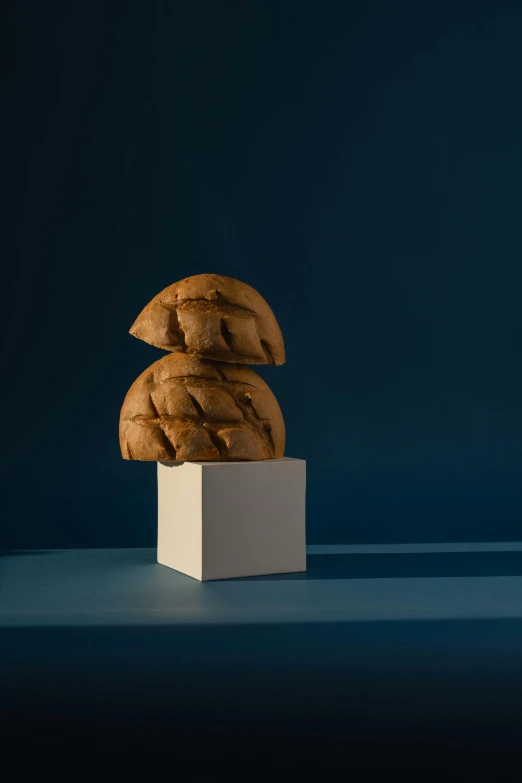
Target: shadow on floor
387,566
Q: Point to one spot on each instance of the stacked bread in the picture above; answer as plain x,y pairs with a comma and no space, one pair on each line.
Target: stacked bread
201,402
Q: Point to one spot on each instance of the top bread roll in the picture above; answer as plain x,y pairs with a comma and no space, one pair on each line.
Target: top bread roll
214,317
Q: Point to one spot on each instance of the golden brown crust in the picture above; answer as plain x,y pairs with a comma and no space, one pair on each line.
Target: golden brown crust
186,408
215,317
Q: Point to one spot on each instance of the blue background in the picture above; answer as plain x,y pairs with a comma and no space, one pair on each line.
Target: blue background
360,164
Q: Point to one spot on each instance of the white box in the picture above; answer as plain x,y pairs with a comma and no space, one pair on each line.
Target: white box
220,520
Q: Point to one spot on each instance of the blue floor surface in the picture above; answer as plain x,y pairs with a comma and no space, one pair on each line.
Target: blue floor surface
370,661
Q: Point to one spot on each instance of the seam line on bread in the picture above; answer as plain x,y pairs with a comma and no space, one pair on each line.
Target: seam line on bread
265,432
218,442
225,333
168,445
267,352
176,326
197,380
213,305
153,406
197,405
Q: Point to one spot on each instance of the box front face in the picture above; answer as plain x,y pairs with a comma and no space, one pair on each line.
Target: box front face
254,518
179,517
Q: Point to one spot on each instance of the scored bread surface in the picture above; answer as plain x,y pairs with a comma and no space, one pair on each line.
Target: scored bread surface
186,408
215,317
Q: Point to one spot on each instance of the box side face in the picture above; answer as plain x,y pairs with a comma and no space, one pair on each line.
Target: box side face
179,517
254,518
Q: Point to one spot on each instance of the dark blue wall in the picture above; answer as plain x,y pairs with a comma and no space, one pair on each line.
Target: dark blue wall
359,163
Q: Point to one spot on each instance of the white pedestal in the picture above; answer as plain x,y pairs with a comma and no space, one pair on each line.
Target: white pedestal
220,520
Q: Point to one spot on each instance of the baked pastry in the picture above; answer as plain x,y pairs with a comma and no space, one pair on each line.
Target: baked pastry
184,408
214,317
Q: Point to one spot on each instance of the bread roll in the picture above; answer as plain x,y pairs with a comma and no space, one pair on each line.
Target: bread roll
214,317
185,408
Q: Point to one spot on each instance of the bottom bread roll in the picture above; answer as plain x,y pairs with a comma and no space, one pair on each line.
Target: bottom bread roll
183,408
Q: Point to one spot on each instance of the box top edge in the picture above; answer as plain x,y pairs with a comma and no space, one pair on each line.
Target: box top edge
167,463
